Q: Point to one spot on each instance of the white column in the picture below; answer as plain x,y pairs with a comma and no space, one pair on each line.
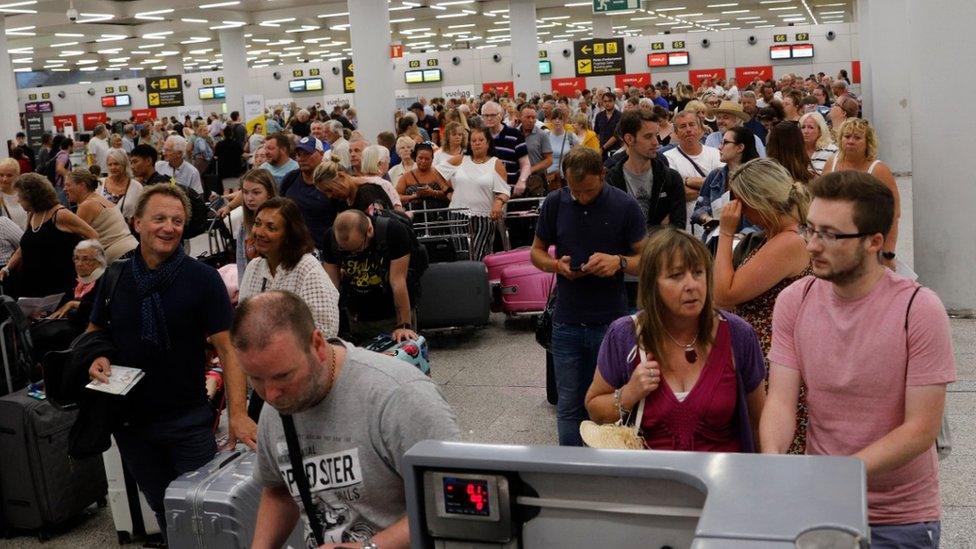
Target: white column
369,29
602,26
10,113
942,47
525,46
236,81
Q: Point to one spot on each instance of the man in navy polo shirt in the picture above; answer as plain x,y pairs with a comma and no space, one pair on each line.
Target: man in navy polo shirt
318,211
599,232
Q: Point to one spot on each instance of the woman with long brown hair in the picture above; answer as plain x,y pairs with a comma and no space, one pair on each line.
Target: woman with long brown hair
784,144
702,380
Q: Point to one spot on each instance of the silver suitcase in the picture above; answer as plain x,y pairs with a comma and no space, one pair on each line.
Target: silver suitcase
216,506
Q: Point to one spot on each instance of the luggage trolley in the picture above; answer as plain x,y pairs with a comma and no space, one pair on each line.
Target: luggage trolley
480,496
525,209
445,232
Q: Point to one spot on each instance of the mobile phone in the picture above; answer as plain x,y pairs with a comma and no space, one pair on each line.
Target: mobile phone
576,264
731,195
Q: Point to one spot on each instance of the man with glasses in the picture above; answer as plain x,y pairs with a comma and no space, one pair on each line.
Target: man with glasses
174,165
875,352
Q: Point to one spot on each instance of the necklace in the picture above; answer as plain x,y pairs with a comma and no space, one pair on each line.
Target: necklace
691,354
332,367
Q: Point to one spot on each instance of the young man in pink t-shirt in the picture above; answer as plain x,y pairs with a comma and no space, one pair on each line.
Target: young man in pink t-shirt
875,352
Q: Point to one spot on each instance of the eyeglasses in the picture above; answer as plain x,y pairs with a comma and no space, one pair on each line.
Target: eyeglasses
84,259
827,237
727,142
491,114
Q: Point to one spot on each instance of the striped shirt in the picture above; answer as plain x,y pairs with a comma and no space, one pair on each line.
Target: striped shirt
510,148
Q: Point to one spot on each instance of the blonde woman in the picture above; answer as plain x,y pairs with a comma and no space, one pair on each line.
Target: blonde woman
767,195
817,140
455,142
9,205
584,131
119,187
859,152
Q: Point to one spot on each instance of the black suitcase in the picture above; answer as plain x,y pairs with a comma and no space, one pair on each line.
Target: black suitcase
16,348
440,249
454,296
40,485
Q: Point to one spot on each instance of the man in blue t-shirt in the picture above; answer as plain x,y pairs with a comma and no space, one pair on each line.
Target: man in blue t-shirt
159,313
278,148
318,211
599,232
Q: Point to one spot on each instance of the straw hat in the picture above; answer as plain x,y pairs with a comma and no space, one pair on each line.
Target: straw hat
729,107
610,436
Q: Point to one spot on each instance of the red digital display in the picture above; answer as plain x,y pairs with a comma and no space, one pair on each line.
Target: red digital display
108,101
466,497
657,60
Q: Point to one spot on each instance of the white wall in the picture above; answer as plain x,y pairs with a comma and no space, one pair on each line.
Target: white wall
728,49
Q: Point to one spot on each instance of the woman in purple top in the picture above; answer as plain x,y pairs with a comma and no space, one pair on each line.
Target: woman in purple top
702,381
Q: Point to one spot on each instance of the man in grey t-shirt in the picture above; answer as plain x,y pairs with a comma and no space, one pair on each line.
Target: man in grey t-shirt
356,413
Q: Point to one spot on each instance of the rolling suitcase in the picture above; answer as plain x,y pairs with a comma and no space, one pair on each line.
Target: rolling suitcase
455,296
411,351
499,261
40,485
131,514
524,289
216,506
16,347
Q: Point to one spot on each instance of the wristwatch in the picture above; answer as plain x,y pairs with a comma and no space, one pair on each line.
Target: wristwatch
370,545
623,263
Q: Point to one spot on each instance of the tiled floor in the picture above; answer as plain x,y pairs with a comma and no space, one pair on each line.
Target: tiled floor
495,380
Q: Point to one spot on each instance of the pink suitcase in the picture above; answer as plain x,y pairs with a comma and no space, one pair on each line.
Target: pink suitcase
524,290
498,261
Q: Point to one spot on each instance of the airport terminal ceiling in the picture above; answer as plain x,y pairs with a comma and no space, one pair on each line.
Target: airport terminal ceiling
145,35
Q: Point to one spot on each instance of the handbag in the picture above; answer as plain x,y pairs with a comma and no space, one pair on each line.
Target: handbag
625,433
543,326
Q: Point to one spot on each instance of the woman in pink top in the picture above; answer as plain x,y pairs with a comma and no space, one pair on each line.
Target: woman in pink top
702,381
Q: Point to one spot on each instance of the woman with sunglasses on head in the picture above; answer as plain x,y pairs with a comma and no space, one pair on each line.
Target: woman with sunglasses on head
769,197
698,370
738,146
859,152
360,193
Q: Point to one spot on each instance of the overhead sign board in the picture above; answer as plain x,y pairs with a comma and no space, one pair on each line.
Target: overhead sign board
164,91
745,75
34,124
610,6
348,78
39,107
568,86
637,80
599,57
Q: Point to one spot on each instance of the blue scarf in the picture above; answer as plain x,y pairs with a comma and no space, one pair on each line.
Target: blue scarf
150,284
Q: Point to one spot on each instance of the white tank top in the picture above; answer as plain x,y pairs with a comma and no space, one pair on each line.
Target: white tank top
833,165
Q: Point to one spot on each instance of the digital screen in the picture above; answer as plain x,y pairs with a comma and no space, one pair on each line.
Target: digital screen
802,51
296,86
108,101
123,100
206,93
779,52
657,60
678,58
432,75
413,77
466,497
220,92
545,66
313,84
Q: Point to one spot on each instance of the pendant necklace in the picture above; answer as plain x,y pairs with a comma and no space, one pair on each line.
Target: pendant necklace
691,354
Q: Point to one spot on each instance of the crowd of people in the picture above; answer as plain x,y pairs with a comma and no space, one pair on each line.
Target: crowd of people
724,255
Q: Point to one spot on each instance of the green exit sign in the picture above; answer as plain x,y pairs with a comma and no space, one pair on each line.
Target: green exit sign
610,6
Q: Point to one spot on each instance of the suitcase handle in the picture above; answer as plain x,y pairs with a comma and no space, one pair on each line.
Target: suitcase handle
233,455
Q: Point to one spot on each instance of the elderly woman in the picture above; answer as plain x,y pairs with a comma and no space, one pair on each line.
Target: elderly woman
817,140
71,317
100,213
404,149
375,162
9,205
698,370
119,187
43,261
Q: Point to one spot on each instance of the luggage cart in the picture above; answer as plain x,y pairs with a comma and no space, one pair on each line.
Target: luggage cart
436,227
518,209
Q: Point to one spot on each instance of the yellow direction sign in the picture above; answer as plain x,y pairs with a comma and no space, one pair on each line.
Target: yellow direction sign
164,91
599,57
348,76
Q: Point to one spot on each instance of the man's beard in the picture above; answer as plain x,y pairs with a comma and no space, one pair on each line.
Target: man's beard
852,273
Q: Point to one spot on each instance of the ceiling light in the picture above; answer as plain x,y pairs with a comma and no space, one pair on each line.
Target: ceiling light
22,31
153,15
576,4
734,11
195,40
95,17
109,51
704,21
455,2
219,4
450,15
336,14
23,69
461,26
403,20
648,18
671,9
274,22
192,20
784,8
748,18
156,35
64,44
86,61
667,24
71,53
69,34
111,38
730,4
303,28
832,12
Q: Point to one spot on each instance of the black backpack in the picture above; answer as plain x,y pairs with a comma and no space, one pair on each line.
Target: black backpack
419,262
199,212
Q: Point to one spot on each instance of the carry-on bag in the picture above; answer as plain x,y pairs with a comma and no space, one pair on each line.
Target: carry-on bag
16,347
524,289
455,296
131,513
216,506
411,351
499,261
40,485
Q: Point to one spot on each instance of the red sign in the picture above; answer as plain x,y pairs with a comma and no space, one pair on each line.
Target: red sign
638,80
696,77
855,72
568,86
92,119
745,75
657,60
396,50
61,120
499,87
141,115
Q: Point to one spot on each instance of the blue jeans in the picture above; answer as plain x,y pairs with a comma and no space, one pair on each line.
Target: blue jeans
156,452
920,535
574,352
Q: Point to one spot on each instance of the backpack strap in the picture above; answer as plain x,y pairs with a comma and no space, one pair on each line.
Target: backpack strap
301,478
111,281
909,308
381,226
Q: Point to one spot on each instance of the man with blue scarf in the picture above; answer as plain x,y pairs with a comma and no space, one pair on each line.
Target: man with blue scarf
159,309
